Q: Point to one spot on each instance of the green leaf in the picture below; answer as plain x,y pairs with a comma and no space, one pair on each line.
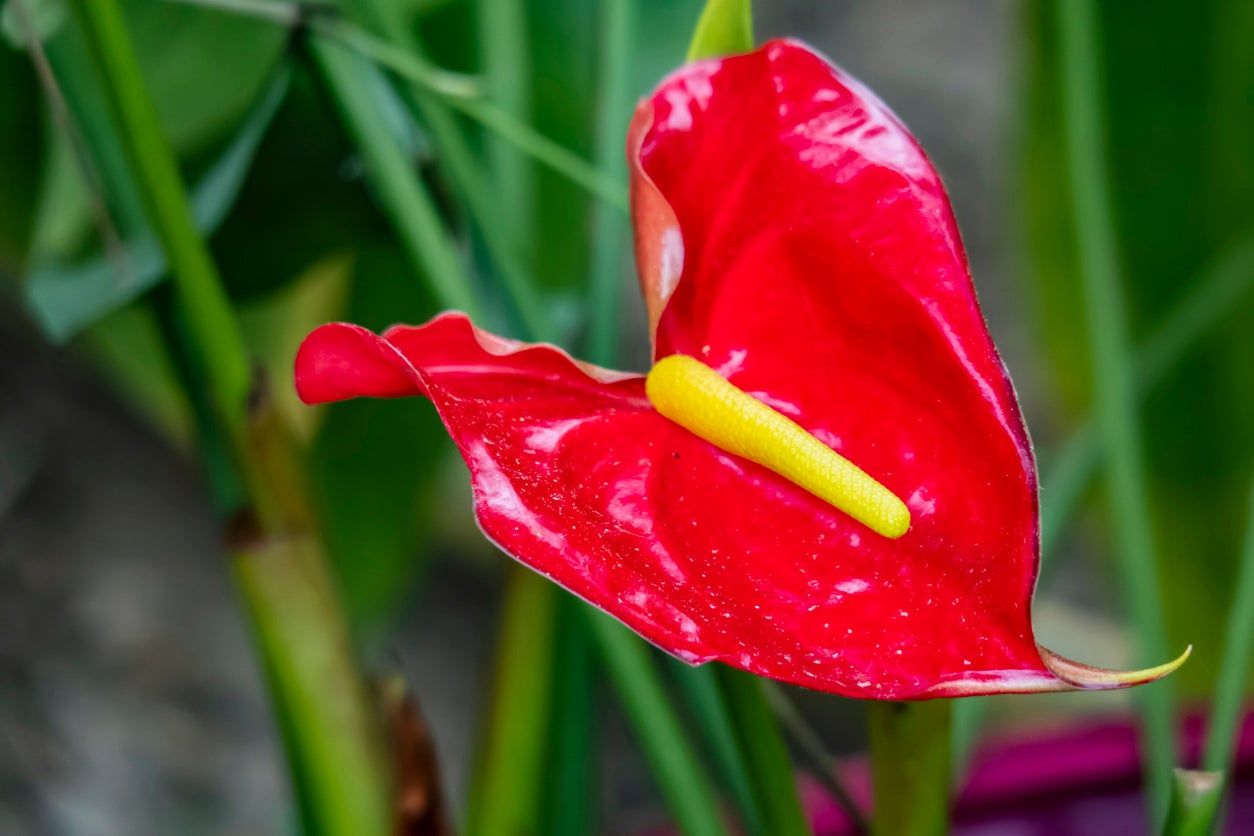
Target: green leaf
724,28
204,68
66,298
372,461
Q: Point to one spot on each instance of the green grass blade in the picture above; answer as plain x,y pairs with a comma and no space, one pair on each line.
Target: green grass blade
203,303
1225,712
675,766
392,177
505,796
458,160
571,806
1114,379
488,114
774,778
822,764
617,36
724,28
701,688
502,26
1215,293
340,776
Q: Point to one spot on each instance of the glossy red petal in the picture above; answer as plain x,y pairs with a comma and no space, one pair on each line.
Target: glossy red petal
707,556
791,233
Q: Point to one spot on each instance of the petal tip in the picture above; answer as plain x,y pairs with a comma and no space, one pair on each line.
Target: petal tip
1089,678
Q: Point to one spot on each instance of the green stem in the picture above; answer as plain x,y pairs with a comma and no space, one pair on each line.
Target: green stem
333,743
393,179
334,738
1195,798
910,758
771,769
1234,669
505,797
674,764
1114,395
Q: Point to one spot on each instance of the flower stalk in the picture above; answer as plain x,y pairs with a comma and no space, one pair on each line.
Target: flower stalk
910,762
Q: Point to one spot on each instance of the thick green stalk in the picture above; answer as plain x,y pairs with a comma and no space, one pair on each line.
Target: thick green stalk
773,776
617,35
332,740
675,766
394,180
1225,714
1195,798
910,758
1114,395
505,797
333,736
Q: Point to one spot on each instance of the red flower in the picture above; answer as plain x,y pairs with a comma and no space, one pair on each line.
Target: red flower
792,236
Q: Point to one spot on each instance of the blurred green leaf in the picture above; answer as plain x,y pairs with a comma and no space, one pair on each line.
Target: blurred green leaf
275,326
371,462
204,68
43,17
66,298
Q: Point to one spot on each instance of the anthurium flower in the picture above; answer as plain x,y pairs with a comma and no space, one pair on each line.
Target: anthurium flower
825,479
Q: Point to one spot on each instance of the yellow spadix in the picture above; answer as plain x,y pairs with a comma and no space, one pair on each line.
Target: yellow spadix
702,401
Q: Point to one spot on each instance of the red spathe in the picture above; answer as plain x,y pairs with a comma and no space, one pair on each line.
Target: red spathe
791,234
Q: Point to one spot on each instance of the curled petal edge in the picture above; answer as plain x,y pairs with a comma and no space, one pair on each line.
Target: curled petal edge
1063,674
